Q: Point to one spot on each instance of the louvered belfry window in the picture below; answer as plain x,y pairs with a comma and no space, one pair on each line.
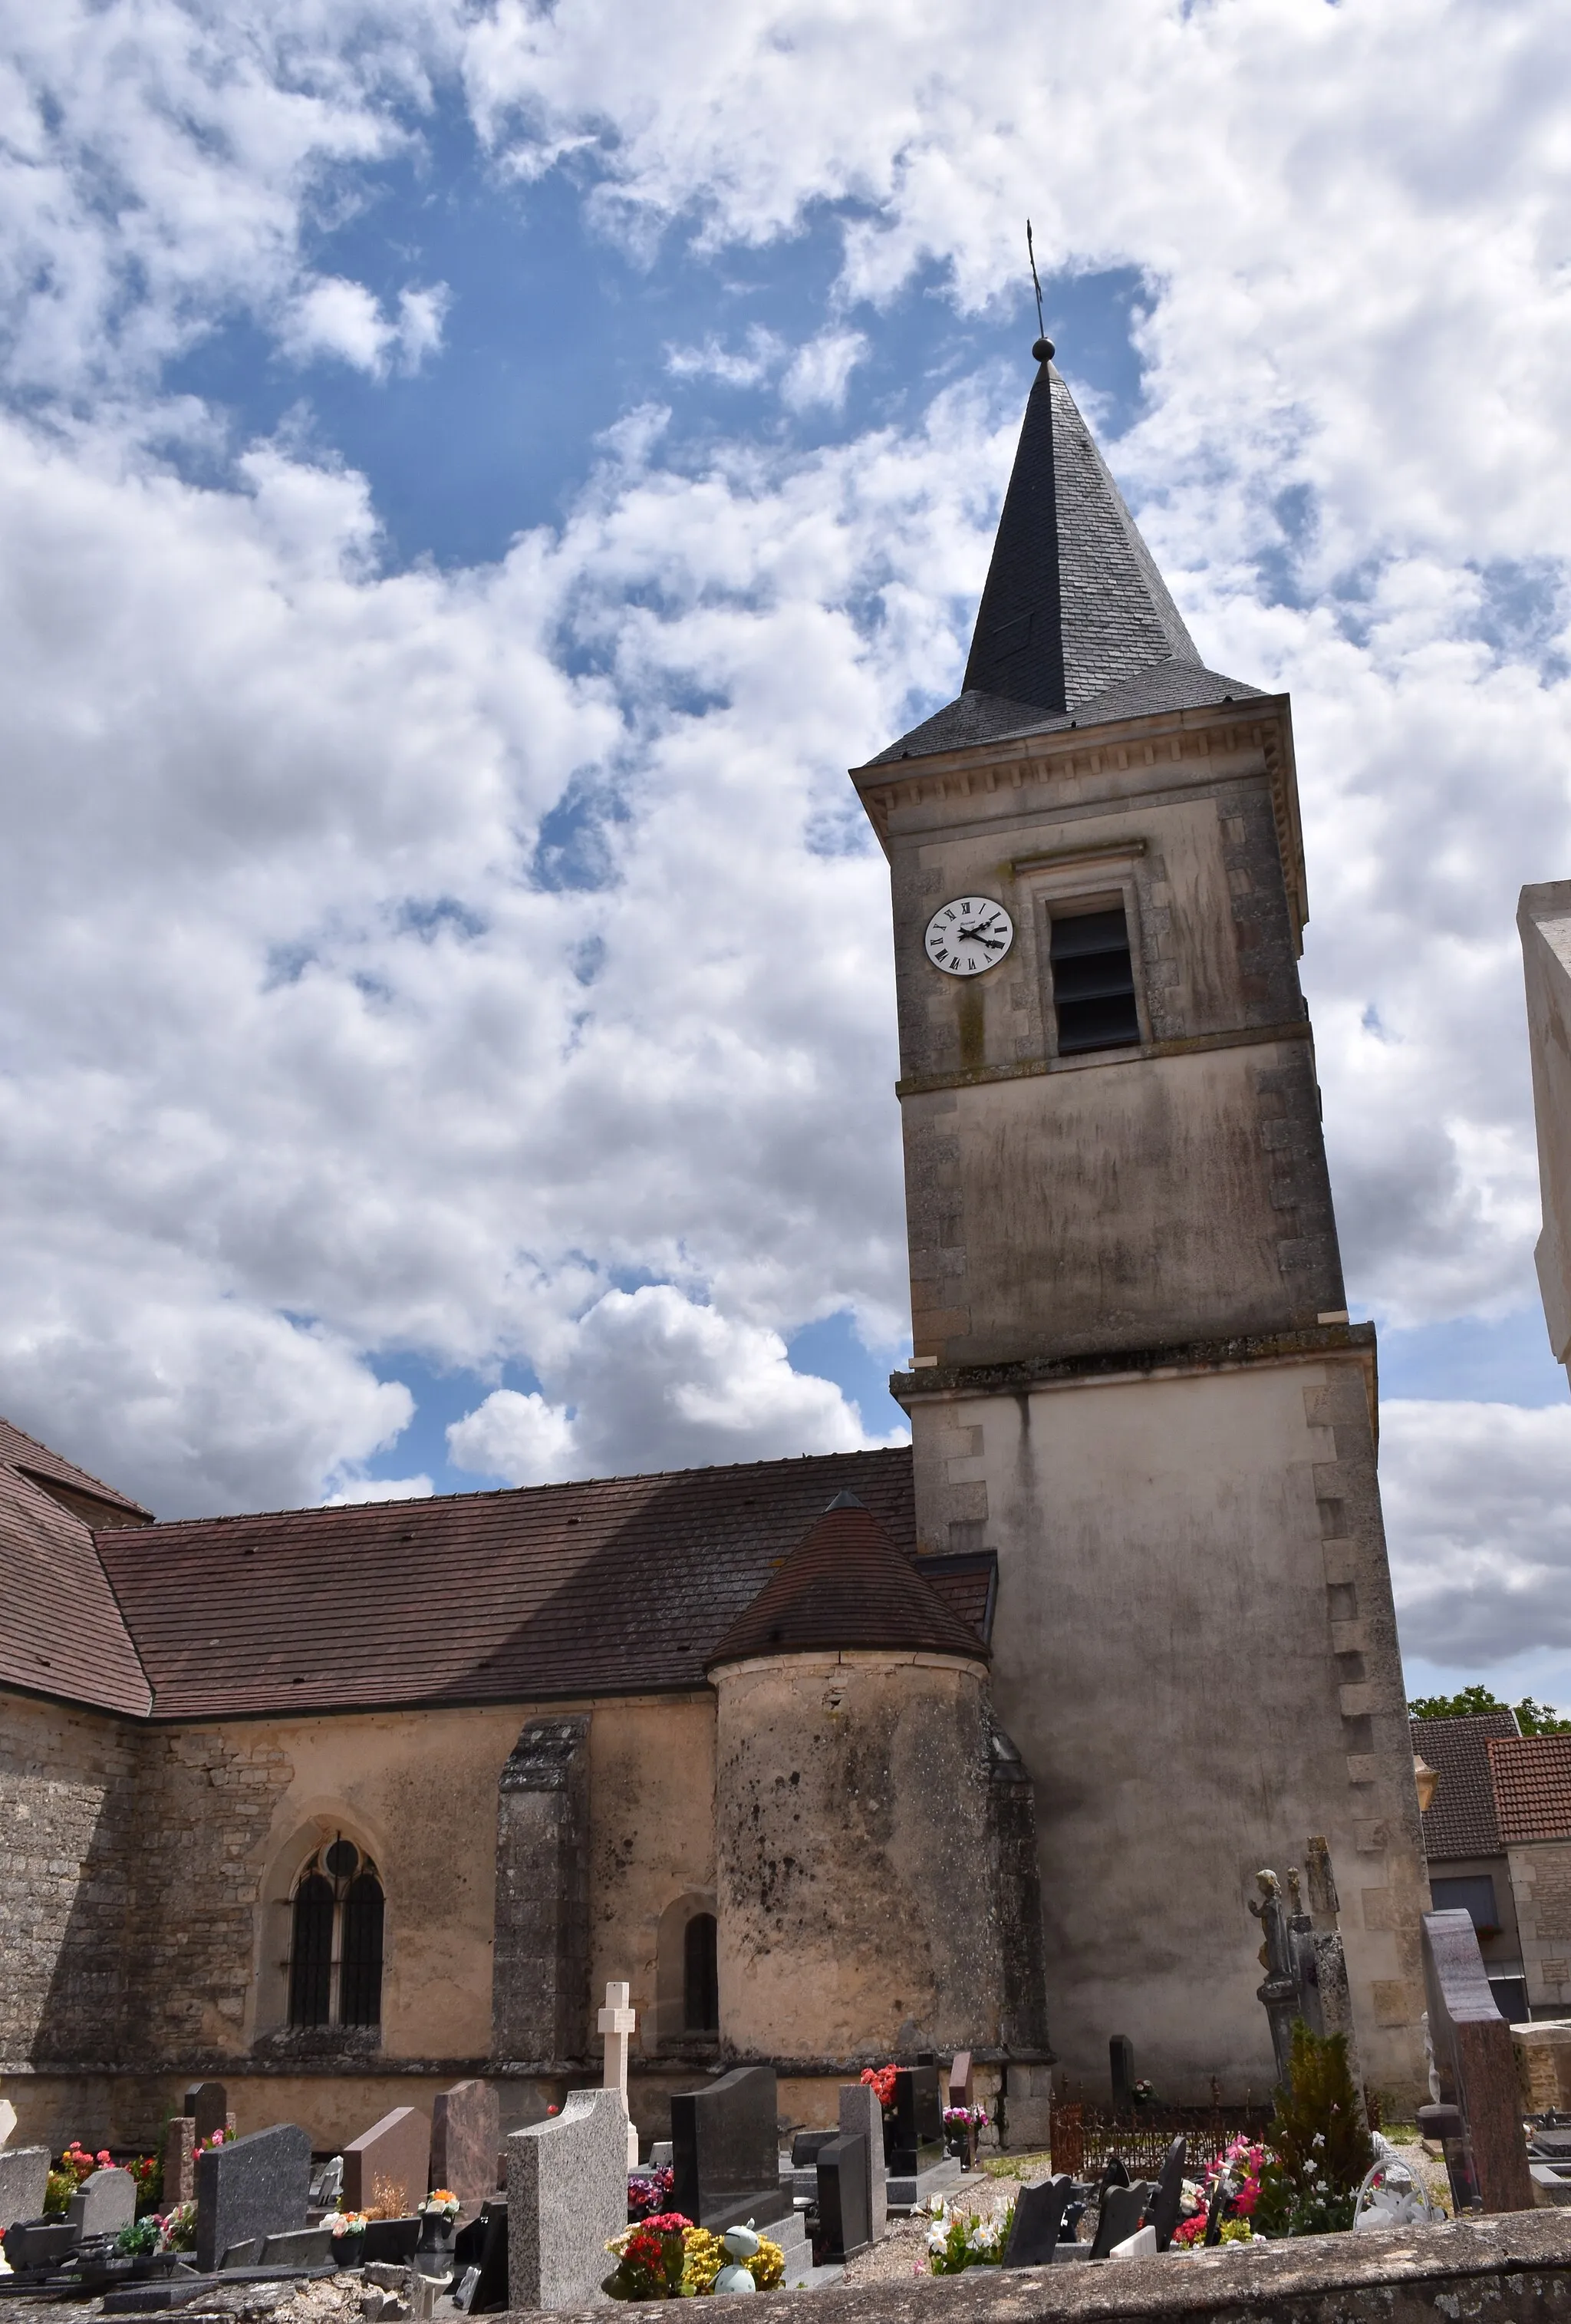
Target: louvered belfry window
1093,980
337,1940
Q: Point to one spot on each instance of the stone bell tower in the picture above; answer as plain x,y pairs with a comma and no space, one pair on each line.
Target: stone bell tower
1133,1373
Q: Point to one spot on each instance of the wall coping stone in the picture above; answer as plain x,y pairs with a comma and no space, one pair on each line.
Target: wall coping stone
1503,2269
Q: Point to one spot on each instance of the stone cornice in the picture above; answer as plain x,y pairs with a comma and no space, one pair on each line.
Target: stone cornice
1104,1368
1191,1044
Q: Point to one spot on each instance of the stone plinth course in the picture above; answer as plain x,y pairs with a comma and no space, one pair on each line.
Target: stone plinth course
389,2164
465,2133
567,2196
251,2188
23,2175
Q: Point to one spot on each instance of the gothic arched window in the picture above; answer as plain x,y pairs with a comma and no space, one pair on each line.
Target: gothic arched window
335,1940
700,1975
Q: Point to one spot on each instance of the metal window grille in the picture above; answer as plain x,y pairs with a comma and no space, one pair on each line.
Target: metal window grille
1093,981
360,1973
335,1940
311,1953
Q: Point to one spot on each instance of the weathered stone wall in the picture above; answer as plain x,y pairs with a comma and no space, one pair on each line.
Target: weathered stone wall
853,1859
1541,1879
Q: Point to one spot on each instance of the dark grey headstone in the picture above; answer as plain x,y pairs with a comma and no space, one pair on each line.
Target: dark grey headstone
32,2244
24,2181
918,2121
103,2203
300,2248
150,2299
208,2102
845,2224
391,2239
246,2254
1038,2216
249,2188
725,2152
1121,2067
1168,2201
807,2146
1122,2211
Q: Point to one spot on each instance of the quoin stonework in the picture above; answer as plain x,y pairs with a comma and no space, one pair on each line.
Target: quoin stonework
977,1745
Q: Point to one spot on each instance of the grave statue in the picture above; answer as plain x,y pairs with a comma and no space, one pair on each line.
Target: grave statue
1280,1992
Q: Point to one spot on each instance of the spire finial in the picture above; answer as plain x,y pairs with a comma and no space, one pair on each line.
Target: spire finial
1043,349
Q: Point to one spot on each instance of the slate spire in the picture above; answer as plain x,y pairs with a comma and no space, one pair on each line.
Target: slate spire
1073,602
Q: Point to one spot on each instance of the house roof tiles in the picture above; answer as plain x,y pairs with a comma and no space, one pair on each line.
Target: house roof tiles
1461,1820
1532,1787
846,1585
63,1633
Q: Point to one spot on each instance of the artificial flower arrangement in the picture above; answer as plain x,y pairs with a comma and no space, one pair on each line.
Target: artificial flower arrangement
140,2240
213,2138
1142,2093
958,2239
147,2170
649,2190
75,2165
442,2203
976,2117
882,2079
344,2223
177,2230
666,2257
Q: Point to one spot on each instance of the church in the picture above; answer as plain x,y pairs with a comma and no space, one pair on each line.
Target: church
976,1744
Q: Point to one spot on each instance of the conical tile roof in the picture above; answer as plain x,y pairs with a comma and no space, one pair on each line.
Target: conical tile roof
1076,624
846,1585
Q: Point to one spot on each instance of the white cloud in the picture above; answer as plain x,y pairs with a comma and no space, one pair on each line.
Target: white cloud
652,1381
1478,1511
360,1490
342,320
821,372
760,357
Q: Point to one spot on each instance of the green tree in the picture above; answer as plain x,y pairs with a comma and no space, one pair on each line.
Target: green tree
1532,1718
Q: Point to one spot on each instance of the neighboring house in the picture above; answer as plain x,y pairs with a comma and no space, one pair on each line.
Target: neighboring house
1469,1870
1532,1802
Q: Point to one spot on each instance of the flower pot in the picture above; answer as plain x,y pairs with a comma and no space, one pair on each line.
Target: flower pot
348,2249
433,2252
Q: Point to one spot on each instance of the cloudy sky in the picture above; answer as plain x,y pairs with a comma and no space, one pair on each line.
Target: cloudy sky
473,477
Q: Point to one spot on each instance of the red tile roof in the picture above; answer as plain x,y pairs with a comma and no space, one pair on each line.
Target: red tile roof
61,1632
617,1586
846,1585
1461,1820
1532,1787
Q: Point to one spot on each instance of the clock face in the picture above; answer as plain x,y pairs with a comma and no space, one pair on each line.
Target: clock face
968,935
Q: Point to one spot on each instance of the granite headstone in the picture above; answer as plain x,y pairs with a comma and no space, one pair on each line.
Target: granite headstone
38,2242
251,2187
1123,2209
567,2196
845,2227
918,2121
861,2116
1168,2201
960,2080
207,2104
103,2203
1476,2067
1038,2218
23,2179
466,2133
387,2168
725,2152
1121,2069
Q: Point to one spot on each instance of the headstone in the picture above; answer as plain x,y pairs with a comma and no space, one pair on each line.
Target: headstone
241,2255
388,2167
1121,2067
1140,2245
725,2152
179,2161
300,2248
7,2120
861,2116
1168,2201
1123,2208
250,2187
32,2243
103,2203
389,2242
465,2132
207,2104
1475,2068
487,2254
1543,2056
807,2146
1038,2218
918,2121
845,2227
660,2155
23,2179
618,2023
567,2196
960,2080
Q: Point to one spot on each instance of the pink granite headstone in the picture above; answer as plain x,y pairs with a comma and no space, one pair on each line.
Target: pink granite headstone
388,2167
179,2161
1486,2154
466,2133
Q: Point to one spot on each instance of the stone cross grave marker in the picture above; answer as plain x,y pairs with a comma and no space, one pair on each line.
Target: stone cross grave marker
249,2188
567,2196
1486,2155
861,2116
389,2164
103,2203
618,2023
465,2133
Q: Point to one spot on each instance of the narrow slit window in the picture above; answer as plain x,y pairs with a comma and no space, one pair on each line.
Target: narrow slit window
700,1978
1093,981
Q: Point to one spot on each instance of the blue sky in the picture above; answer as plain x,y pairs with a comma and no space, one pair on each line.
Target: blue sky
470,484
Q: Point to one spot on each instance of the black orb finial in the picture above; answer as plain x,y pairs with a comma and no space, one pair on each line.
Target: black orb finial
1043,350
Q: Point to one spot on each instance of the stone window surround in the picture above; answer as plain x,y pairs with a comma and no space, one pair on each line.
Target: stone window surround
670,2030
269,1991
1086,880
